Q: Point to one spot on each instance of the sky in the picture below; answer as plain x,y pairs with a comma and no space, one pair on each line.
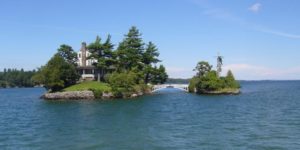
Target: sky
259,39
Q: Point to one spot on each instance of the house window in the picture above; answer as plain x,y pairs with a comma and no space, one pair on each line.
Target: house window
79,55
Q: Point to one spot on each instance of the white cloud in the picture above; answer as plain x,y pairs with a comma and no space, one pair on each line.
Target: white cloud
255,72
244,72
221,14
279,33
255,7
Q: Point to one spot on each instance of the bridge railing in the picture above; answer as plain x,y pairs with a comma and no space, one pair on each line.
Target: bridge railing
177,86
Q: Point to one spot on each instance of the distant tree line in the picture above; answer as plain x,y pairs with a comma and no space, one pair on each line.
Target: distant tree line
16,78
177,81
132,63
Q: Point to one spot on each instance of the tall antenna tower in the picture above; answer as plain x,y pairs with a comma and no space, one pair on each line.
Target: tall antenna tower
219,63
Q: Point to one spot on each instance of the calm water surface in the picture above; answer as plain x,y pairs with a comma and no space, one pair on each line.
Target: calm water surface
265,116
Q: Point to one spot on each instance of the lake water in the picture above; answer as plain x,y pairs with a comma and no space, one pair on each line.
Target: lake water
265,116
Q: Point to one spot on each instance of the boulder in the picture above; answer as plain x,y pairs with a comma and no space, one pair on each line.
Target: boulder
107,95
69,95
134,95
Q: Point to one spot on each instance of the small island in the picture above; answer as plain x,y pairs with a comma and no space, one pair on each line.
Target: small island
98,71
208,81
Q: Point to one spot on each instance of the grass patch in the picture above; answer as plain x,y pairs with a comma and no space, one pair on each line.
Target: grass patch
89,85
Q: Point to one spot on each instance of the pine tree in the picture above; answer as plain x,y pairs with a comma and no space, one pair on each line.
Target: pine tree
131,49
151,54
230,80
150,57
103,53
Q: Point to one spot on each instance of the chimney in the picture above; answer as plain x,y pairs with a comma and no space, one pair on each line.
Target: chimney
83,53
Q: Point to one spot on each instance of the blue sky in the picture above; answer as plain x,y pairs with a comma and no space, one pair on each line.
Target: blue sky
259,39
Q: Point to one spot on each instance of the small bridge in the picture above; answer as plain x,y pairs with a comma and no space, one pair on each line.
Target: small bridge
183,87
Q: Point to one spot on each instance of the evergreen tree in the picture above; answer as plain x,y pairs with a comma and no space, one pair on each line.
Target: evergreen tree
230,80
16,78
151,54
159,75
109,55
150,57
163,76
130,50
103,53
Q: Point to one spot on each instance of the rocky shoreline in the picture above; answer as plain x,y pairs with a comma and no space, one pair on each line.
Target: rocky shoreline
231,92
84,95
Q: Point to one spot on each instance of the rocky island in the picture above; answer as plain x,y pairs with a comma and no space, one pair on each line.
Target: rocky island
208,81
98,71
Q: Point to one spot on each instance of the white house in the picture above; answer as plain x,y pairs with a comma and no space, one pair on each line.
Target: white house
85,65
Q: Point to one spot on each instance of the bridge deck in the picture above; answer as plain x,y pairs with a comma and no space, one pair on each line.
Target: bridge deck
183,87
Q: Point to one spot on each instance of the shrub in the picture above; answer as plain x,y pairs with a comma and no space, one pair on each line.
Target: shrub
97,92
192,85
230,81
209,82
122,84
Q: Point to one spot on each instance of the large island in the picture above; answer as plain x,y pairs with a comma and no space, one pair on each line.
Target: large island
99,71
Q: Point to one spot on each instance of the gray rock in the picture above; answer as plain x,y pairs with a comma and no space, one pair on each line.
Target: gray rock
69,95
134,95
140,93
107,95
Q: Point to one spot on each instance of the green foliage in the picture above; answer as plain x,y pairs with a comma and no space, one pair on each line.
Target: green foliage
192,84
56,74
159,75
202,68
89,85
104,55
177,81
67,52
96,87
97,93
151,54
132,55
230,81
123,80
130,50
208,80
16,78
127,69
123,83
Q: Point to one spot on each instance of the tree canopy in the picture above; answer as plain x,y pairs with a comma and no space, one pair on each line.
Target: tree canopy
16,78
130,51
68,54
132,54
59,72
103,53
132,63
202,68
207,79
